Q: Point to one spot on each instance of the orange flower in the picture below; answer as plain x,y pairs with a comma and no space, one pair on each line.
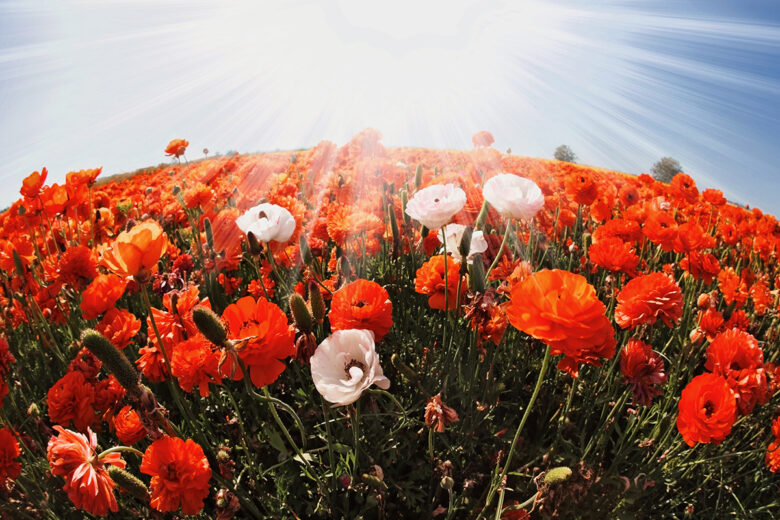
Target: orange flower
176,147
582,188
438,415
271,339
101,295
643,369
707,410
736,356
661,229
430,281
683,187
180,475
10,468
691,237
82,177
483,138
129,428
72,398
194,363
73,456
614,255
702,266
31,185
562,310
362,304
78,266
6,360
647,298
136,250
119,326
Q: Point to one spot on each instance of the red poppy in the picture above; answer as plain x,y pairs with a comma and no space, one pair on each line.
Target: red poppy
702,266
195,363
582,188
430,281
561,309
10,468
362,304
73,456
120,326
691,237
683,187
72,398
661,229
269,339
101,295
6,360
78,266
31,185
614,255
81,178
647,298
180,475
129,428
135,251
643,369
176,147
151,362
707,410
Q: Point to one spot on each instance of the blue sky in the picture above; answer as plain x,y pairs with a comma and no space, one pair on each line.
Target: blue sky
109,83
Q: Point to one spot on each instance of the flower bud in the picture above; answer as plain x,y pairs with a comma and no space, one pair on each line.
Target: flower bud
404,199
482,217
128,482
447,483
113,359
557,475
418,177
209,325
316,303
465,243
301,315
477,274
306,255
209,232
176,189
18,264
254,246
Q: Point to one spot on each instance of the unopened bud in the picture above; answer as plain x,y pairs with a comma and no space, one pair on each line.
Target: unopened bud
447,483
404,200
557,475
482,217
131,484
306,255
254,246
209,232
209,325
176,189
113,359
477,274
465,243
18,264
418,177
316,303
301,315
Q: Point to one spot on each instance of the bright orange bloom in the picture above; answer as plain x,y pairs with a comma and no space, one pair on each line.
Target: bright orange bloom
195,363
362,304
271,339
177,147
707,410
78,266
151,362
773,456
643,369
120,326
180,475
101,295
660,228
691,237
136,250
430,281
714,197
582,188
683,187
733,287
562,310
129,428
73,456
10,468
82,177
702,266
483,138
72,398
647,298
736,356
31,185
614,255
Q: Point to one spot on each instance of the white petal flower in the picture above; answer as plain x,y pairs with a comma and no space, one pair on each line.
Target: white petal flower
454,234
267,222
435,205
345,364
513,196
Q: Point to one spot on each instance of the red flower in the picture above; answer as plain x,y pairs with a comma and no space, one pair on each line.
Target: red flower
702,266
362,304
78,266
661,229
180,475
683,187
72,399
430,281
101,295
736,356
613,254
647,298
151,362
6,360
73,456
129,428
561,309
707,410
270,339
438,415
176,147
31,185
10,468
643,369
119,326
195,363
582,188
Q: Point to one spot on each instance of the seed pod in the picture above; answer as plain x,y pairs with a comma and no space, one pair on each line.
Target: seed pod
131,484
477,274
209,325
557,475
301,315
113,359
316,303
209,233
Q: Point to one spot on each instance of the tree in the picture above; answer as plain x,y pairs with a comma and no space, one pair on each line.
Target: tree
665,169
564,153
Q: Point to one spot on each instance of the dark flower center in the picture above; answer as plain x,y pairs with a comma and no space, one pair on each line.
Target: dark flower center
169,471
709,409
354,363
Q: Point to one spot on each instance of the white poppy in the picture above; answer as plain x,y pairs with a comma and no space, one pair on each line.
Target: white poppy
435,205
454,234
513,196
345,364
267,222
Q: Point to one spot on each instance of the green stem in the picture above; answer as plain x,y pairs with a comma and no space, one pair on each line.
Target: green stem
116,449
501,247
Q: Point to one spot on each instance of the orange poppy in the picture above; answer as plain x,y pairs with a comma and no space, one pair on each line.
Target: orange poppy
31,185
643,369
707,410
72,398
647,298
195,363
362,304
430,281
101,295
614,255
119,326
135,251
129,428
736,356
582,188
177,147
78,266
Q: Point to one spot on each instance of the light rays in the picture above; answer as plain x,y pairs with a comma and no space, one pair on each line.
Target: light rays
109,83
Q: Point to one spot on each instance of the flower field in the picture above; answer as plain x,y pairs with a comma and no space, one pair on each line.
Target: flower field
366,332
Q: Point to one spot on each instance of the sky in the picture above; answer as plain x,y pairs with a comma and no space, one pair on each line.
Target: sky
622,82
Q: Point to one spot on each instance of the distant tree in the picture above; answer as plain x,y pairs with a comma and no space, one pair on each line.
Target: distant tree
564,153
665,169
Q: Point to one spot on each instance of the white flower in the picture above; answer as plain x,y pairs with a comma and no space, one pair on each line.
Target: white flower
267,222
454,234
435,205
345,364
513,196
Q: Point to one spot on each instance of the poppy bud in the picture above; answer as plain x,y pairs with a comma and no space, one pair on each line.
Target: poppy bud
129,483
113,359
404,200
301,315
447,483
316,303
477,274
209,233
465,243
418,177
22,210
176,189
306,255
483,213
18,264
557,475
209,325
254,246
